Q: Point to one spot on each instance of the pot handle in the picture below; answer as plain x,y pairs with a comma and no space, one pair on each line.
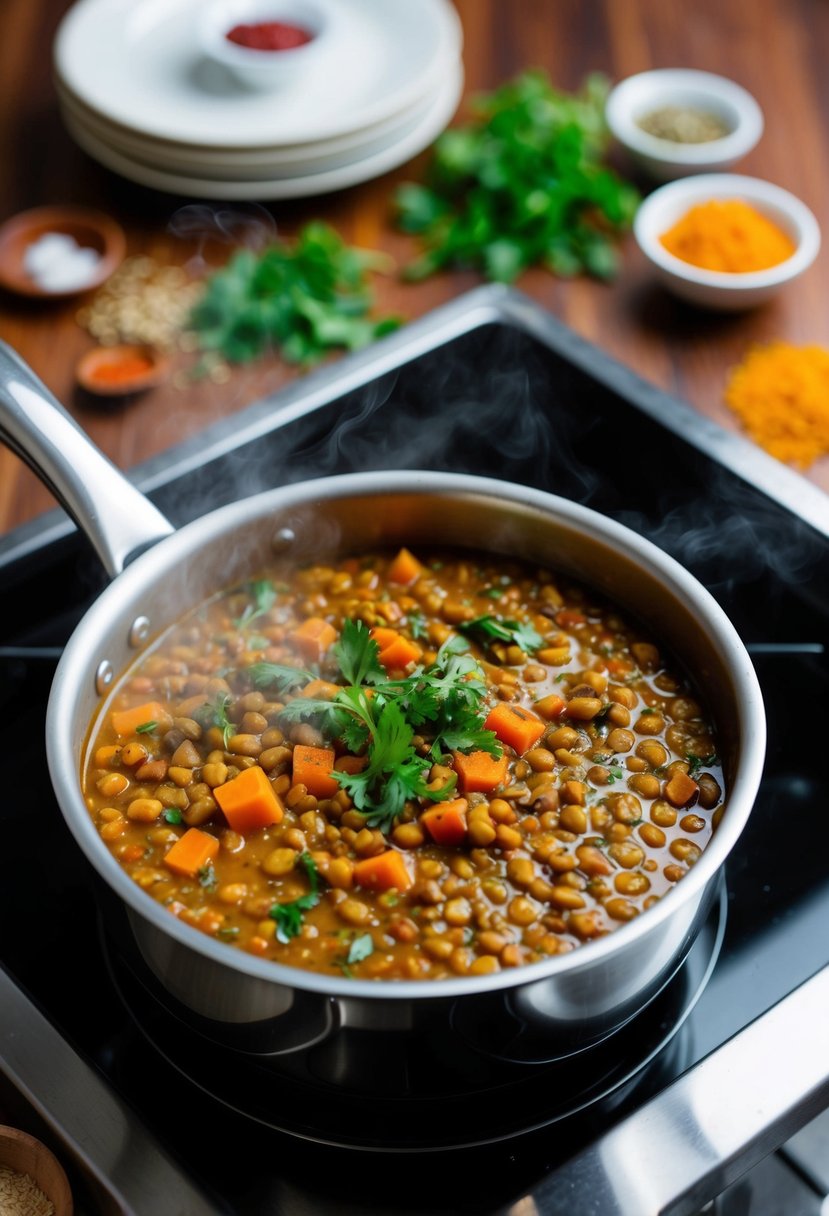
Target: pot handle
116,517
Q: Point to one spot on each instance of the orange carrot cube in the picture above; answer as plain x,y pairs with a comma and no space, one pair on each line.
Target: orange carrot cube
399,654
249,801
126,721
405,569
313,637
384,636
312,768
680,789
479,772
446,822
382,873
191,851
551,707
514,725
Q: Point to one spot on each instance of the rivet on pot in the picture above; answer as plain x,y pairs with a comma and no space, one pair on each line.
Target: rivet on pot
103,677
283,539
139,631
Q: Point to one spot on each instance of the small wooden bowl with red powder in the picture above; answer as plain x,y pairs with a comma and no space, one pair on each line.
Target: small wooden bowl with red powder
116,371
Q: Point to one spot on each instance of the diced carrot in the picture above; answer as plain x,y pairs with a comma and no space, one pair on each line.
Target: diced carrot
405,569
446,822
249,801
551,707
680,789
350,764
313,637
191,851
383,872
384,636
399,654
312,768
479,772
515,725
125,721
568,617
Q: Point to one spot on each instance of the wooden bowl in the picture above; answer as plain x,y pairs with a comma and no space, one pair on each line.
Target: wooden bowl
100,358
90,229
23,1153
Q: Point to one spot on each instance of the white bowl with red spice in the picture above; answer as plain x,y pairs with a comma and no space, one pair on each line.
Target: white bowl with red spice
726,219
264,45
678,121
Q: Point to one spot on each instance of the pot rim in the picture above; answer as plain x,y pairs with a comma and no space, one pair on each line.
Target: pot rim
74,668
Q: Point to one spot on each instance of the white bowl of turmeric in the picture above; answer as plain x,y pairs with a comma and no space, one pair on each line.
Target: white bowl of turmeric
724,241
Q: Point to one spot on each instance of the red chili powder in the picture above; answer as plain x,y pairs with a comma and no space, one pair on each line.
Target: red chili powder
269,36
123,369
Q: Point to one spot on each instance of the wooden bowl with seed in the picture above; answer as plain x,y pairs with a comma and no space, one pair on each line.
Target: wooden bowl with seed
32,1180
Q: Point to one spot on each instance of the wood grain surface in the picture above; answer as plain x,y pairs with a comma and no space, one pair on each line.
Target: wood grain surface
778,49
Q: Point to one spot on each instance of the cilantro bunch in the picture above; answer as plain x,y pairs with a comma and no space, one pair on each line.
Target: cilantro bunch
380,717
300,300
524,183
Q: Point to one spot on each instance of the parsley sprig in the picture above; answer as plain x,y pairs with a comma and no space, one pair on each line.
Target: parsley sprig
288,916
380,717
262,594
214,713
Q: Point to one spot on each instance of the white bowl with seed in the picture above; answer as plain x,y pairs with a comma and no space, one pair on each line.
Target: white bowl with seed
675,122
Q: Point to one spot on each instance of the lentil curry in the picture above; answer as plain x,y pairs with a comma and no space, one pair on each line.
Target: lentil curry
404,767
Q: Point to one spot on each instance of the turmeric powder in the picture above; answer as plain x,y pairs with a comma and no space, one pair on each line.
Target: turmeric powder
780,393
728,235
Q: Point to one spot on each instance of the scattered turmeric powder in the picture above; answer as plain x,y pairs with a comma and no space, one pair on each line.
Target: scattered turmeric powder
780,393
728,235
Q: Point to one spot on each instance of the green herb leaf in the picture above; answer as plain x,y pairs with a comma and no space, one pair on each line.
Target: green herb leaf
214,713
488,629
263,597
207,877
302,299
358,655
146,728
288,916
417,625
278,677
615,774
522,183
360,948
697,763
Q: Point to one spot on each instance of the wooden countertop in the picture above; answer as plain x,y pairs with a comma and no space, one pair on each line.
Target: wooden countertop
777,49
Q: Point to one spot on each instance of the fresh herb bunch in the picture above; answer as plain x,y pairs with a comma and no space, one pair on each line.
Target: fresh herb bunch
488,629
379,716
523,184
300,299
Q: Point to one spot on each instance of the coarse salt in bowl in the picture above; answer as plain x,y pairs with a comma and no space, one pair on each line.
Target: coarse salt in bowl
266,69
723,290
665,159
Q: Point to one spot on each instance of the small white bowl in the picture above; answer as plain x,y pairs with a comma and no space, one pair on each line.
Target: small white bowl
257,69
714,288
665,159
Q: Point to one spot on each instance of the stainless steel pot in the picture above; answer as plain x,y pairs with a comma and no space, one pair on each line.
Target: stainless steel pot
263,1007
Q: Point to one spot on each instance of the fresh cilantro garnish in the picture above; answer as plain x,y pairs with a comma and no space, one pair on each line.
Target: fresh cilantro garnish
214,713
207,877
494,593
171,814
417,625
524,182
278,677
489,629
228,932
615,774
443,700
288,916
262,595
360,948
303,299
257,642
357,655
697,763
146,728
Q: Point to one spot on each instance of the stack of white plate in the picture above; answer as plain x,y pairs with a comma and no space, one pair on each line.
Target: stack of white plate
139,94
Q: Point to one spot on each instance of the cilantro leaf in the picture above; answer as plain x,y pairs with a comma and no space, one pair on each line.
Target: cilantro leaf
278,677
263,597
488,629
288,916
207,877
360,948
358,655
146,728
697,763
214,713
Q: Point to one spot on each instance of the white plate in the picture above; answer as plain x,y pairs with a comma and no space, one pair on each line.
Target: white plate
140,65
433,122
247,163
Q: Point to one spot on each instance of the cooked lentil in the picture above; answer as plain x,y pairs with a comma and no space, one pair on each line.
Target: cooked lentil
483,861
